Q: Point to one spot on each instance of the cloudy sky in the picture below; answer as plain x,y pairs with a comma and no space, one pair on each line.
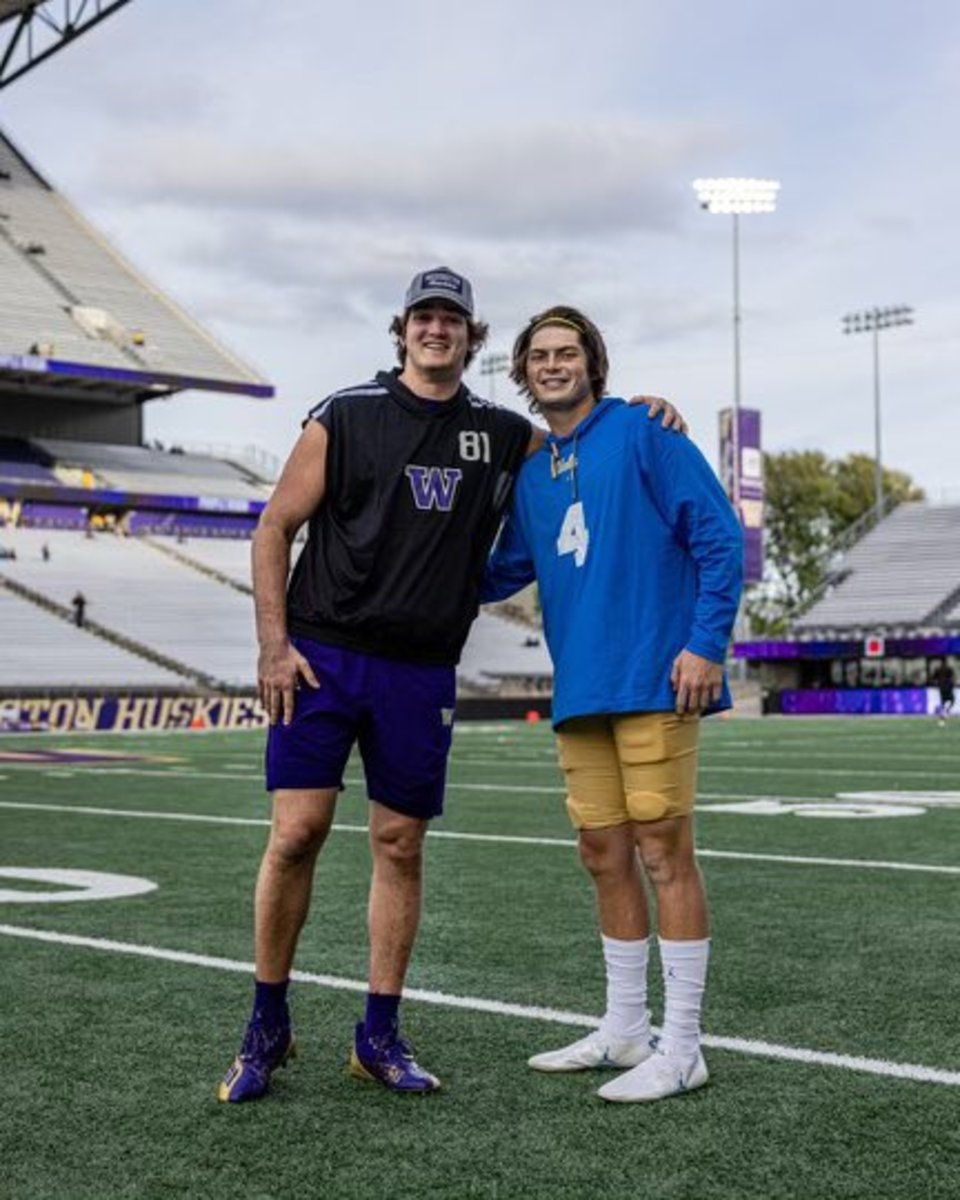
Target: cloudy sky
282,170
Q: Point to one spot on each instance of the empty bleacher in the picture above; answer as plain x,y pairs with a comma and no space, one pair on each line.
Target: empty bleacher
155,593
142,594
229,557
504,656
159,472
69,295
40,650
900,575
21,462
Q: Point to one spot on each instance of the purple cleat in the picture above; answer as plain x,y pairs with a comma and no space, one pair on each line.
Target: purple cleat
389,1060
263,1050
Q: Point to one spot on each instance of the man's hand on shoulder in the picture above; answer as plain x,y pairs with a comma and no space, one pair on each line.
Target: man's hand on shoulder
672,417
279,669
697,681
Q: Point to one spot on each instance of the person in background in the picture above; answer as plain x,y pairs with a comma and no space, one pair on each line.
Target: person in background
945,680
79,603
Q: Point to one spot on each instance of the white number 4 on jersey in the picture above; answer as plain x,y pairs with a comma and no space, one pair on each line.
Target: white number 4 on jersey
574,536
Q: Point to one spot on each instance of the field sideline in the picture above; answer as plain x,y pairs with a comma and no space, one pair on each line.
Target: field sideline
830,853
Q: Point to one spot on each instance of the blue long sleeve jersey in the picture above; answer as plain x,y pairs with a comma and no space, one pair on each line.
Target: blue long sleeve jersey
638,554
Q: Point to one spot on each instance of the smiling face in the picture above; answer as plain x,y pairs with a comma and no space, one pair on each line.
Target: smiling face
437,338
558,374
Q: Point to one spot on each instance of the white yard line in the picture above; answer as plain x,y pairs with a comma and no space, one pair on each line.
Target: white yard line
710,754
706,767
494,838
759,1049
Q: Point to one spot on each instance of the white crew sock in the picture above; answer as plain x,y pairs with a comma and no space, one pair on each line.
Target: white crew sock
684,979
627,1015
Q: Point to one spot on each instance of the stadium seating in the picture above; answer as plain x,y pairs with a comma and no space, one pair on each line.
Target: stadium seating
188,600
229,557
53,264
952,616
20,462
503,656
160,472
137,591
41,650
899,575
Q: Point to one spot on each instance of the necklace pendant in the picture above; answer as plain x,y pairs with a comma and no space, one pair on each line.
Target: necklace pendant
562,466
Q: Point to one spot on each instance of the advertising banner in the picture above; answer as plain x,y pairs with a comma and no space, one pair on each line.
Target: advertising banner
913,702
746,481
123,714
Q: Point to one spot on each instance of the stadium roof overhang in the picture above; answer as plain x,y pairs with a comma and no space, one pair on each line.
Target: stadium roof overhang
33,30
50,376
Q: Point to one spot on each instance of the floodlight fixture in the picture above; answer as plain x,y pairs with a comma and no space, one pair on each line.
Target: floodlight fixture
493,365
872,321
735,195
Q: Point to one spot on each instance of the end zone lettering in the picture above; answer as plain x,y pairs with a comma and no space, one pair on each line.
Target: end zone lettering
119,714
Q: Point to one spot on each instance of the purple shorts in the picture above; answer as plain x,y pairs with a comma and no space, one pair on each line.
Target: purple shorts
400,715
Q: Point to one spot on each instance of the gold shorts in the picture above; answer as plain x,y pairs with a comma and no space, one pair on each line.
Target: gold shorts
635,767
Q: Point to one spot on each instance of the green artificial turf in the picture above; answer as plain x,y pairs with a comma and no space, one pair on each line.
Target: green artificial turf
110,1060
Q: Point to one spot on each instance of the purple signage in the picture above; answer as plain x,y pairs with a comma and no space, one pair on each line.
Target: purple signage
744,482
38,365
900,647
913,702
151,500
127,713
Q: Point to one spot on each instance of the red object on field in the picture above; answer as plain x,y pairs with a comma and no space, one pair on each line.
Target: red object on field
532,717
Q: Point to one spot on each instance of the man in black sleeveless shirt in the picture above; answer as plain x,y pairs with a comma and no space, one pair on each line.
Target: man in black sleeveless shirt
402,482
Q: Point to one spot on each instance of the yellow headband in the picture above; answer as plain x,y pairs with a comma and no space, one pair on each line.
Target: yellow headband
558,321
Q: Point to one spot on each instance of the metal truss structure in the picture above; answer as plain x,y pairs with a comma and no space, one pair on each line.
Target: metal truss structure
33,30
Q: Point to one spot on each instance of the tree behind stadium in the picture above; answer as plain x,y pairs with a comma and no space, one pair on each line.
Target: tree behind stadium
811,504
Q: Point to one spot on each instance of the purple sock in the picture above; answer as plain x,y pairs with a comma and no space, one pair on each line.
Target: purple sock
382,1014
270,1003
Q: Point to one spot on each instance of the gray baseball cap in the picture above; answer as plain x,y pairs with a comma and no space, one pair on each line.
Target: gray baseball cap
440,283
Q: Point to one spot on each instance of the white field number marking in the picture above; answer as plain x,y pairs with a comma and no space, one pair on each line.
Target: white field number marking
70,885
574,537
857,810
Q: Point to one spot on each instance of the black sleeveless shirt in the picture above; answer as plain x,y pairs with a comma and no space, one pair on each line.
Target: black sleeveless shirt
415,492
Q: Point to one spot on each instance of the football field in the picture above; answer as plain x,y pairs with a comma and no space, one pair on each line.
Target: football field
831,851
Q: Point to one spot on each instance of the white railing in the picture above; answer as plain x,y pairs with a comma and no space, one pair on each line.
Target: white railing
265,464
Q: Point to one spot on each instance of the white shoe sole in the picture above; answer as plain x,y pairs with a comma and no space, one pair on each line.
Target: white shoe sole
638,1086
627,1055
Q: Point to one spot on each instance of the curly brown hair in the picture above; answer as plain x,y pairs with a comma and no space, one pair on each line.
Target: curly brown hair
591,339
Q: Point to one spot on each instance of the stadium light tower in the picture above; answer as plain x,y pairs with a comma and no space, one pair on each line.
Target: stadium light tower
493,365
736,196
872,320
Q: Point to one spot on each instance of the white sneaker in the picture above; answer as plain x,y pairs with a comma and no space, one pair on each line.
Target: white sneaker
597,1051
657,1077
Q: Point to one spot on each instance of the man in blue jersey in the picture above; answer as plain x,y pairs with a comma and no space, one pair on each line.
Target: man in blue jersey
402,482
638,556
